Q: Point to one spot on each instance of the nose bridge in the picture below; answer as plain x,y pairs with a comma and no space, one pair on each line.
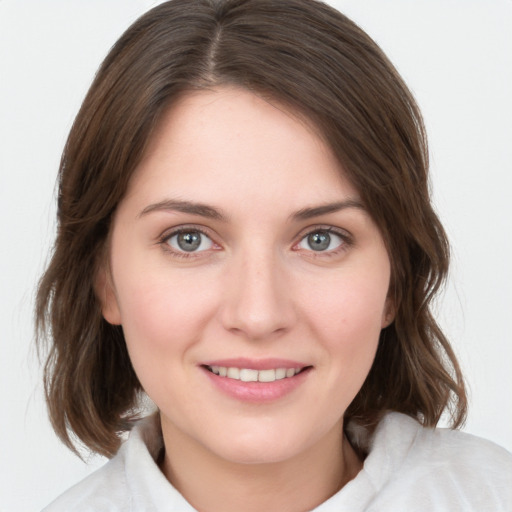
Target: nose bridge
257,303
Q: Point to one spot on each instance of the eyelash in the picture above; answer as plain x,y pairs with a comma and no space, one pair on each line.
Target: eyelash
346,238
164,241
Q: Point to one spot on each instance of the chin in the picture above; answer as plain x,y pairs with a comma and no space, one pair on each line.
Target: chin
255,455
262,446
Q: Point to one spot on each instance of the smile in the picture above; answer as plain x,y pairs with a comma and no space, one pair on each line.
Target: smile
251,375
256,381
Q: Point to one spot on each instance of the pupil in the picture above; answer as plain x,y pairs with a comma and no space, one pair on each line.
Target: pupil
189,241
319,241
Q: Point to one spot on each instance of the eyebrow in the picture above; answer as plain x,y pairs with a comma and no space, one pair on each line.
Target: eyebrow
193,208
210,212
317,211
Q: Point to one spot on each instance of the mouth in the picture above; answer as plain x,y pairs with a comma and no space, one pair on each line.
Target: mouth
253,375
256,381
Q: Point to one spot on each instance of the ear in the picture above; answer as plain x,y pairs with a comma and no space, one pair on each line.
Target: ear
388,315
105,292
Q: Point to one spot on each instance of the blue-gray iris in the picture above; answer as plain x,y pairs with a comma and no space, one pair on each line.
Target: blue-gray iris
189,241
319,241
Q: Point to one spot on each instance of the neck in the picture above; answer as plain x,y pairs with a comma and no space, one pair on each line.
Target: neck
213,484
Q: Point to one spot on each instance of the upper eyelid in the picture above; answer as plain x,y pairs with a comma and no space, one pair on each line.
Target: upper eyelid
344,233
304,231
169,232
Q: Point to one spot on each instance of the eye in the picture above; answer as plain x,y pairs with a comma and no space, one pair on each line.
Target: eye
321,240
190,240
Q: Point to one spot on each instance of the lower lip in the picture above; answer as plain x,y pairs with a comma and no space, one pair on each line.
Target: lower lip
257,392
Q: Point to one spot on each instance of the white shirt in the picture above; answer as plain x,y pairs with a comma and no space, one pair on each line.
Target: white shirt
408,468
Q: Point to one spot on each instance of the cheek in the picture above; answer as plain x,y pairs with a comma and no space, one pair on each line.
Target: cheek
162,313
350,306
347,314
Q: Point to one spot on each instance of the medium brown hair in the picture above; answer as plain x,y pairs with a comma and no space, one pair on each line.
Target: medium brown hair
312,59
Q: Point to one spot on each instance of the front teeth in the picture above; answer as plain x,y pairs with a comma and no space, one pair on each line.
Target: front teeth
249,375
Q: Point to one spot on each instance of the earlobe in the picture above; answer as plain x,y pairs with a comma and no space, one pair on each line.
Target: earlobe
104,289
388,315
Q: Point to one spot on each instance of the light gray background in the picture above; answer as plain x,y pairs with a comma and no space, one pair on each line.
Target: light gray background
455,55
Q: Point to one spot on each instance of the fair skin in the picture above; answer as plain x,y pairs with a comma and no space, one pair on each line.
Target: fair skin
241,245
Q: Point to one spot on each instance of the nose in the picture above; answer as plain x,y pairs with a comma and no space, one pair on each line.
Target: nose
257,301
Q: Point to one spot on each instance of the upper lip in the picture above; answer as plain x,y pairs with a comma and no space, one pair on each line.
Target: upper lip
255,364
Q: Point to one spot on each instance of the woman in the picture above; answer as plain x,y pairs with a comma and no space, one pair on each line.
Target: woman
246,235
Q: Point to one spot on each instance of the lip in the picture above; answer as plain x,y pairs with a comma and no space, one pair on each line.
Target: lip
255,364
256,392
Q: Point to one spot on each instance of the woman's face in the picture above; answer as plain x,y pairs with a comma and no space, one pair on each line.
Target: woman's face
249,280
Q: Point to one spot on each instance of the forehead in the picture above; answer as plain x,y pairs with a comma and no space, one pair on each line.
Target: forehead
228,142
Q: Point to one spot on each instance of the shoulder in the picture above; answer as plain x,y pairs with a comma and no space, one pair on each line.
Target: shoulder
105,489
131,481
439,469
